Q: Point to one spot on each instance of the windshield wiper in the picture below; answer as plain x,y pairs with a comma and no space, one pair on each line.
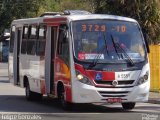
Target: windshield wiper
98,56
117,45
114,44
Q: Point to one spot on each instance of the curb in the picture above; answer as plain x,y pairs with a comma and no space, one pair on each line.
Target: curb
153,101
3,73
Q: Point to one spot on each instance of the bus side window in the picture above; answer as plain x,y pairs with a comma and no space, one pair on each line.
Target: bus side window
63,44
41,41
24,39
31,43
12,39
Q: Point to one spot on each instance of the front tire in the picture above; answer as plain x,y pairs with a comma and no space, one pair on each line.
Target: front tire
128,106
64,104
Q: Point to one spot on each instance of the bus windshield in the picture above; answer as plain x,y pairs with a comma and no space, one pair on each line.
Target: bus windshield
107,41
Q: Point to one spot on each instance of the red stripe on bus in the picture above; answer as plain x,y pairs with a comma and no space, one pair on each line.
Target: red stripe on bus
80,68
68,94
108,76
42,86
105,75
52,20
53,24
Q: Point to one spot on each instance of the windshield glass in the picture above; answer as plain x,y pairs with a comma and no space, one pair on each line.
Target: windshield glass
98,39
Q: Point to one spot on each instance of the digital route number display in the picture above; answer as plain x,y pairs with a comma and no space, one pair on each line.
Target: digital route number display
101,28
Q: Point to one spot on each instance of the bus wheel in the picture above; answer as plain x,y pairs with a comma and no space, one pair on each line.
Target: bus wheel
128,106
65,105
31,95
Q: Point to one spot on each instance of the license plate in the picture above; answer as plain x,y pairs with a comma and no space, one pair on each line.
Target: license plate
114,100
123,76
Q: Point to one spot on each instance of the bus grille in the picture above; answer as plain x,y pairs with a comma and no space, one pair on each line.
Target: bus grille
122,82
109,94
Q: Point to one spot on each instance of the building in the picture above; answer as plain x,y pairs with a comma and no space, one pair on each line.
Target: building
4,46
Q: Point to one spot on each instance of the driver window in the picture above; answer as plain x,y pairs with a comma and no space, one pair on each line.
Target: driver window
63,45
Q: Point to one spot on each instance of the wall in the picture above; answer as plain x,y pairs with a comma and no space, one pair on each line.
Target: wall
154,59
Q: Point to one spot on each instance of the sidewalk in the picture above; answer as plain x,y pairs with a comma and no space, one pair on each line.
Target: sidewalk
154,97
3,69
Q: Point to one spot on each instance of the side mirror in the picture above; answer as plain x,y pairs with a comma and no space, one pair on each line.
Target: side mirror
146,39
65,36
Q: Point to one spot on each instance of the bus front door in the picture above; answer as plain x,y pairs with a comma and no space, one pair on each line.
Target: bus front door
50,59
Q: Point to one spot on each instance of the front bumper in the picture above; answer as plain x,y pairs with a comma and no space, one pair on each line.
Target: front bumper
83,93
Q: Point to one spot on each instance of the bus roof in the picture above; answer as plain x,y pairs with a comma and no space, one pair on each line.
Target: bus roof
72,18
99,16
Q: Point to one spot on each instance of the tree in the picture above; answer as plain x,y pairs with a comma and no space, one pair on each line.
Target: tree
11,10
146,12
61,5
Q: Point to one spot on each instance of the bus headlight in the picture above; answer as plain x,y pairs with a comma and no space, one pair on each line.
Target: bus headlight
80,76
83,79
143,79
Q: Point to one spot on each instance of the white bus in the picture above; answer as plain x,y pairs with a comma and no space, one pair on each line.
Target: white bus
80,57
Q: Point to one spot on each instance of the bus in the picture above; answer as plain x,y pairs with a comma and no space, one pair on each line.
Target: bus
80,57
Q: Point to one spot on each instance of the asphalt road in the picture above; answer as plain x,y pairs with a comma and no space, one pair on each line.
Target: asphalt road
14,106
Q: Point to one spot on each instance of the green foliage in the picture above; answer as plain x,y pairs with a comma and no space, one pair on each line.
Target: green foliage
16,9
61,5
146,12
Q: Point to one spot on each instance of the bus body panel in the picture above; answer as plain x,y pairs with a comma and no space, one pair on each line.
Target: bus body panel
10,67
33,68
63,74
